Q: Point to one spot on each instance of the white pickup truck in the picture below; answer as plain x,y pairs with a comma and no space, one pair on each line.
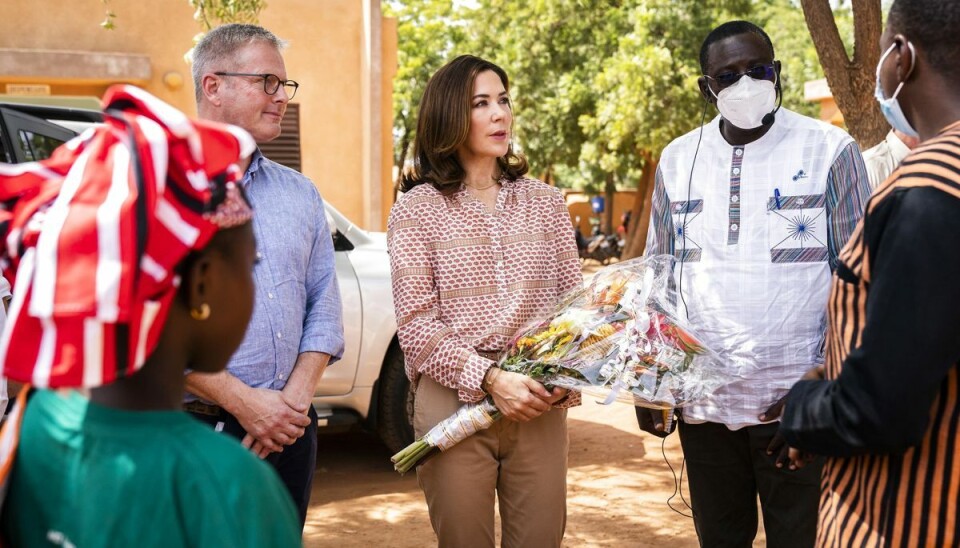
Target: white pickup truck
368,386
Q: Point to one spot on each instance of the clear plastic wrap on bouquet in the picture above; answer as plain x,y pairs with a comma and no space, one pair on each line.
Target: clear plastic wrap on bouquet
621,338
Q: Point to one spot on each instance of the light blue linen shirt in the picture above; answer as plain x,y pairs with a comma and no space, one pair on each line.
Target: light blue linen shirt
297,305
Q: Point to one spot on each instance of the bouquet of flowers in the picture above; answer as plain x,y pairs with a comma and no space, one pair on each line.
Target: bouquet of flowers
619,338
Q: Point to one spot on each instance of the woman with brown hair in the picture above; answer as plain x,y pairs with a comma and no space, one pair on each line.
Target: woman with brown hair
476,250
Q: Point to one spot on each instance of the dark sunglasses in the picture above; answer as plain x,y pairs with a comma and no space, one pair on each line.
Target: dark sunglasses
759,72
271,82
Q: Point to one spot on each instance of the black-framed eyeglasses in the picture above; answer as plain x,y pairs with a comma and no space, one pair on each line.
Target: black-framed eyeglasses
271,82
766,71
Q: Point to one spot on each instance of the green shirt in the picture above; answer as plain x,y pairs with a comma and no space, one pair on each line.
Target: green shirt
89,476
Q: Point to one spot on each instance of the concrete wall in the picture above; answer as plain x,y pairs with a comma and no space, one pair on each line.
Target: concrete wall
818,91
344,70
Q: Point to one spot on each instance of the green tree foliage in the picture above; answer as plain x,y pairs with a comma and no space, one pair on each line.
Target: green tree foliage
599,86
552,50
209,13
648,91
430,32
849,61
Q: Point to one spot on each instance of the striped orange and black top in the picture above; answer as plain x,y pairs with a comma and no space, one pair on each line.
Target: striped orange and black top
889,415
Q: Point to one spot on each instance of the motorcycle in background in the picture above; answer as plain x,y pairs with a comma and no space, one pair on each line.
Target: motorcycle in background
599,247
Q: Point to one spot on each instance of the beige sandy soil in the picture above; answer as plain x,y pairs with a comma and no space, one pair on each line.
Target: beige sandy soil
618,485
617,489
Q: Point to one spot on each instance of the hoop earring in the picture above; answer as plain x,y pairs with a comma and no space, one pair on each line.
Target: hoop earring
201,314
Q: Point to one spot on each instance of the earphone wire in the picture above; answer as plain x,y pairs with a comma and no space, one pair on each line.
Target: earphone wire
686,210
678,482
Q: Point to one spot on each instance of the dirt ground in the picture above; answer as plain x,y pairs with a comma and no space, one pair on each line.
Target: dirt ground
617,490
618,485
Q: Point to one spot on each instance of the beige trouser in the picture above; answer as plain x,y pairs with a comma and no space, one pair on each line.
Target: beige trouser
525,464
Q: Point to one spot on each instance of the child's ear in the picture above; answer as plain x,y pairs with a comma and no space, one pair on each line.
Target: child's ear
197,287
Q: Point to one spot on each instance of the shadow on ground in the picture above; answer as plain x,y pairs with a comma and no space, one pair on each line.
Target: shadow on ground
617,487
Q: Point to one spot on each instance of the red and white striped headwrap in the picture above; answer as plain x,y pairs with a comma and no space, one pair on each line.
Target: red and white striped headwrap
93,235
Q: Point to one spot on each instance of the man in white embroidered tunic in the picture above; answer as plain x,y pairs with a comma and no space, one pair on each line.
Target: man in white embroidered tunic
756,212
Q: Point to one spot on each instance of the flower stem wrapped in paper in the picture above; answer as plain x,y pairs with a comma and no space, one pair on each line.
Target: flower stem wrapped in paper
620,339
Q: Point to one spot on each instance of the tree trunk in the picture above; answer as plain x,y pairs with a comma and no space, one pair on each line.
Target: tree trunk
548,176
851,81
640,214
609,194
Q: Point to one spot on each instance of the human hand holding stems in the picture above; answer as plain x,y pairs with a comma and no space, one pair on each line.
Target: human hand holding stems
518,397
783,454
617,338
511,395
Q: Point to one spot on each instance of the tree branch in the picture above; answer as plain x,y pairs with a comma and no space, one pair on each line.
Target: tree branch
851,81
826,36
867,27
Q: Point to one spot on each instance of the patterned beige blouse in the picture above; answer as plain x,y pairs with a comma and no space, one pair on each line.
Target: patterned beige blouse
465,278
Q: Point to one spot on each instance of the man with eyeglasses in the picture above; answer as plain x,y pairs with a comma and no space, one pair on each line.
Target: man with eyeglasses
756,205
264,397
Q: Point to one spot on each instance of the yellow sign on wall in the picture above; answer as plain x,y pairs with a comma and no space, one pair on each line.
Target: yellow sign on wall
28,89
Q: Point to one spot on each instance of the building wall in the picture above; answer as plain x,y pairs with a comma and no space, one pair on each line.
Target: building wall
388,72
579,205
818,91
326,55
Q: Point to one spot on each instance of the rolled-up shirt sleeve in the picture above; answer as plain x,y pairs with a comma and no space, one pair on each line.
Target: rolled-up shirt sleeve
323,321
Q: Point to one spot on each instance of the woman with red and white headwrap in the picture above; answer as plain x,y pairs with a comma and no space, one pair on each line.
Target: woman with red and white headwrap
131,252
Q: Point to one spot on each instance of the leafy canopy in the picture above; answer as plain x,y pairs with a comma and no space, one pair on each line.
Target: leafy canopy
597,85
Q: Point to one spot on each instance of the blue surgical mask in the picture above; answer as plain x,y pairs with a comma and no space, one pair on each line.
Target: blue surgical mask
891,107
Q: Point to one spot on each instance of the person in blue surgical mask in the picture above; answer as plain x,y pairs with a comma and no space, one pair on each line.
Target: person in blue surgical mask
890,106
885,409
755,204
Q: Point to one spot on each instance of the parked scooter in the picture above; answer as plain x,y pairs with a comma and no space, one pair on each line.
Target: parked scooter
599,247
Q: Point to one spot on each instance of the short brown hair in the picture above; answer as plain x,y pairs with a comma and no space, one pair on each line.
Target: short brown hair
444,125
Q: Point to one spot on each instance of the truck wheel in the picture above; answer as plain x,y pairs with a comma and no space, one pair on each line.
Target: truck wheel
395,408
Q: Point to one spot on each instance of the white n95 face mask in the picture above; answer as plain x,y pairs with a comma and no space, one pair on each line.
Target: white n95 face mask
745,103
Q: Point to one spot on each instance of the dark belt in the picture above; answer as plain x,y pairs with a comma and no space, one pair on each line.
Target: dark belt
202,408
489,354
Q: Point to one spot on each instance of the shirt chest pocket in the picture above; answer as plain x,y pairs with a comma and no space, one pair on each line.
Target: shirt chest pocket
797,228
